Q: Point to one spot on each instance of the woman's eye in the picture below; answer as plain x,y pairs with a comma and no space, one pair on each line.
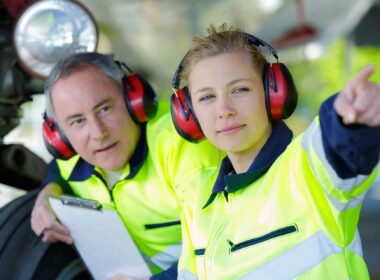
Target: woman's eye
206,98
240,90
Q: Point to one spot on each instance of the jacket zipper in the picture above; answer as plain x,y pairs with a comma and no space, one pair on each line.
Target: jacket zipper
208,264
253,241
160,225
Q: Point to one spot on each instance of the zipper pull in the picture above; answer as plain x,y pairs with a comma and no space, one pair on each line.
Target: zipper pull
231,244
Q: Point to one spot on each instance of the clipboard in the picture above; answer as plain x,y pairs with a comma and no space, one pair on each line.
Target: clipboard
100,237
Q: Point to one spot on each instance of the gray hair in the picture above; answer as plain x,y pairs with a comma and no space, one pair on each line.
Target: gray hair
76,62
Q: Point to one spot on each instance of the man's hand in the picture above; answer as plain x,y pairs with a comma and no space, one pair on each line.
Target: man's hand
359,101
43,220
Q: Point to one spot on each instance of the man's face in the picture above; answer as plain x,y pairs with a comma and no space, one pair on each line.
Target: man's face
91,112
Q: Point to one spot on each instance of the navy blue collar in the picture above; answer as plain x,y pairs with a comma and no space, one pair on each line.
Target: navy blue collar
83,170
230,182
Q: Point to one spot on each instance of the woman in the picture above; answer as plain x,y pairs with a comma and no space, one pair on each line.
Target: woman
280,207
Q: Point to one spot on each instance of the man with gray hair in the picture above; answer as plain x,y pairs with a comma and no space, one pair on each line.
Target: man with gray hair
110,145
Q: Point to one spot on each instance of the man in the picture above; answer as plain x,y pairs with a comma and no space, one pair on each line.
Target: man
141,168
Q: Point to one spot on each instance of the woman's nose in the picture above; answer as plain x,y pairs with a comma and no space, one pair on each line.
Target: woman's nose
225,108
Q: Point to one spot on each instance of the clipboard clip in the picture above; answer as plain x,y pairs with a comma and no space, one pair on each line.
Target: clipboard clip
80,202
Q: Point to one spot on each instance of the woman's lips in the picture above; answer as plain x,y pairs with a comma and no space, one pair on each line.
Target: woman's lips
231,129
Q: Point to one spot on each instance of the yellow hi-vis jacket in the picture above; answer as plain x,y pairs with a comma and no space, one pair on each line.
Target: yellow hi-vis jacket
149,194
292,215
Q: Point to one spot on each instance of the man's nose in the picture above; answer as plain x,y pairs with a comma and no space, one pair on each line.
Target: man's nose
99,130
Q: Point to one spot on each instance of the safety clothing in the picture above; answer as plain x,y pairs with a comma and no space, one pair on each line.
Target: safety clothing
149,193
292,215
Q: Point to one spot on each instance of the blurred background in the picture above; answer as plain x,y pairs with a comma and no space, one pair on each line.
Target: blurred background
324,43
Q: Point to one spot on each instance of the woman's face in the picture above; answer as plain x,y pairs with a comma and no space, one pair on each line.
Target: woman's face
228,98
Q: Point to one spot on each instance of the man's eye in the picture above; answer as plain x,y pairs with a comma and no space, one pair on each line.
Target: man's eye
76,122
105,108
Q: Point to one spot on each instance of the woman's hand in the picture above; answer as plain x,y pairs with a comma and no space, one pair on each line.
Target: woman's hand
359,101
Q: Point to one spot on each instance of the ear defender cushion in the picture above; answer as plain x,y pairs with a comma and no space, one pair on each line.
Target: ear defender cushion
282,102
55,141
140,98
184,119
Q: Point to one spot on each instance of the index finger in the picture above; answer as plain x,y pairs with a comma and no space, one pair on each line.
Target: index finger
363,76
58,227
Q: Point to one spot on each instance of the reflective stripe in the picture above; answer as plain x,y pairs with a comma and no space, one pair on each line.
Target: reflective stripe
297,260
312,143
165,259
313,136
186,275
356,245
352,203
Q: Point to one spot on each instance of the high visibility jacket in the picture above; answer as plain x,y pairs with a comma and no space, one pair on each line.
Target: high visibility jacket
292,215
149,194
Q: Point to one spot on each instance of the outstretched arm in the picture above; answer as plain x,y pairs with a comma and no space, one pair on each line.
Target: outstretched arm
350,126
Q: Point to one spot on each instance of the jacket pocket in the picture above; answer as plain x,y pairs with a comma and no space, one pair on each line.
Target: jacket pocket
263,238
162,225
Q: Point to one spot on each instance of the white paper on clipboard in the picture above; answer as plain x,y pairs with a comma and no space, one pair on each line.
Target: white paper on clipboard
100,237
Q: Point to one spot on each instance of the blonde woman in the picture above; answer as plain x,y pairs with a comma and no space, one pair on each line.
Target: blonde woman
281,207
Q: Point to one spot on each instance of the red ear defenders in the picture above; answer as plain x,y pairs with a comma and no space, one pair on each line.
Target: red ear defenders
141,101
55,141
279,88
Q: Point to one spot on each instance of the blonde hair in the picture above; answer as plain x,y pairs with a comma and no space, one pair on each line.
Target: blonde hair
220,41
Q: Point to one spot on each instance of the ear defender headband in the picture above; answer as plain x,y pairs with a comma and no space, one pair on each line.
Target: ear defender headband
279,89
141,101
